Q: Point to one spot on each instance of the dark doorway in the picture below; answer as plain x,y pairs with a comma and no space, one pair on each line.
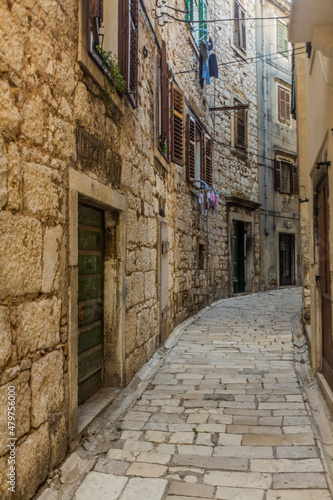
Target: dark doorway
90,297
325,283
287,259
238,256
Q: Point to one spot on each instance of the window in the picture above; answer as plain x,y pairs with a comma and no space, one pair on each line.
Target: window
197,11
199,157
240,124
120,38
239,27
282,38
284,104
286,176
177,125
162,104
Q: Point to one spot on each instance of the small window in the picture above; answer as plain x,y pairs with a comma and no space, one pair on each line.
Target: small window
199,154
239,33
284,104
113,38
197,11
286,176
282,38
240,122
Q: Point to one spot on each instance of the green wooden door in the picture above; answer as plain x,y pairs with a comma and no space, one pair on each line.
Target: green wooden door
238,257
91,284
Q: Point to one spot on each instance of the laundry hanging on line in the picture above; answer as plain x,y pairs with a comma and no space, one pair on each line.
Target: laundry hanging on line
207,62
208,200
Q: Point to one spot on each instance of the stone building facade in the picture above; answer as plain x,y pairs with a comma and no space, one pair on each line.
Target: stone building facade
310,29
280,243
104,245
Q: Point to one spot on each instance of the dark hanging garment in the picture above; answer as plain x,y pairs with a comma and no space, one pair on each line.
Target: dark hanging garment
204,51
200,72
213,67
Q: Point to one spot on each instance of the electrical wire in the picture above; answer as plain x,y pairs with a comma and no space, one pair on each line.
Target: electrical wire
204,21
246,61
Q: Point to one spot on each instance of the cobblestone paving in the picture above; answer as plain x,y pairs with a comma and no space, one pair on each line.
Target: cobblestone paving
223,418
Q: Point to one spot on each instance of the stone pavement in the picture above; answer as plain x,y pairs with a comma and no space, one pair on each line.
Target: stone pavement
224,417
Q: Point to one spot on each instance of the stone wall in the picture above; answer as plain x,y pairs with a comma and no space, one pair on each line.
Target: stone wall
48,102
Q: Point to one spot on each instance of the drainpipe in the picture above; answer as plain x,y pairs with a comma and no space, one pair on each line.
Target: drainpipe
264,79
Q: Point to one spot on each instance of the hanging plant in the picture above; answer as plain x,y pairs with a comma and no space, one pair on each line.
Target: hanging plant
163,145
110,64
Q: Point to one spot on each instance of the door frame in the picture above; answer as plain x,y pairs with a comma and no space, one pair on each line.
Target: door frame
290,232
84,188
248,221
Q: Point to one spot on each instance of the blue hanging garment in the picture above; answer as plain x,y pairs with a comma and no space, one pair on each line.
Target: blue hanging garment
213,67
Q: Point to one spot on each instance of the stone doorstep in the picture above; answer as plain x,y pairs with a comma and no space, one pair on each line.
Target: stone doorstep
94,406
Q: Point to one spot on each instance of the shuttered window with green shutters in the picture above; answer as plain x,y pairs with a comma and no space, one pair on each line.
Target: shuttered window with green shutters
282,38
197,10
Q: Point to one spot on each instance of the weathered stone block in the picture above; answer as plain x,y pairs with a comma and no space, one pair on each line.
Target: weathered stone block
22,404
20,255
11,43
42,191
47,387
3,173
32,462
9,114
135,287
150,285
58,439
52,242
5,337
14,177
82,105
37,325
33,121
64,138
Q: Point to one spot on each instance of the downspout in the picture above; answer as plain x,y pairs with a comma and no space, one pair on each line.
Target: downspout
264,79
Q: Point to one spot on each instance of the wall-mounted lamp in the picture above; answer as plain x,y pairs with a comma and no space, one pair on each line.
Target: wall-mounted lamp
145,52
323,164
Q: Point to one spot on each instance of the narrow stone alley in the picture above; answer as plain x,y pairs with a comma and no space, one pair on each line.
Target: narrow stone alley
224,416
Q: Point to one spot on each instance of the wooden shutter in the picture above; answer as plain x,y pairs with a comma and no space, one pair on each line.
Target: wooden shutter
293,179
243,31
165,122
287,101
279,41
209,161
190,147
202,17
190,13
284,104
236,25
177,128
95,19
277,175
128,47
281,104
202,155
241,128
